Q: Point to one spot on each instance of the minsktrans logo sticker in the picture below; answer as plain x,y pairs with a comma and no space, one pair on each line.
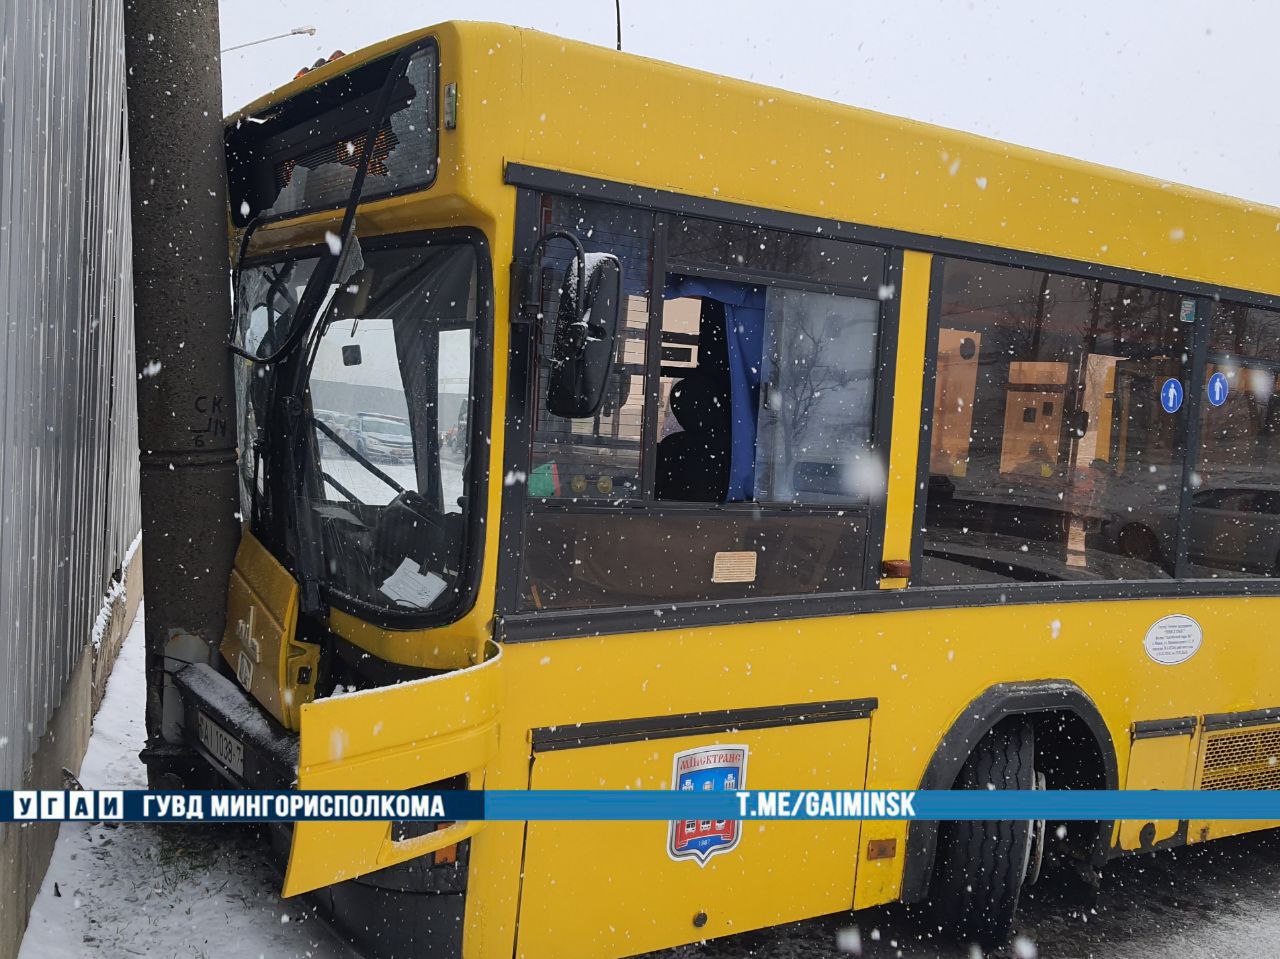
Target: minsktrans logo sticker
706,768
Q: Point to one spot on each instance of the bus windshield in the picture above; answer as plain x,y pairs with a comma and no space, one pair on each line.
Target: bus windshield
384,375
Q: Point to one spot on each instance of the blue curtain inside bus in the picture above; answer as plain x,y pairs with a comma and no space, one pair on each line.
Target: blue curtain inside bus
744,329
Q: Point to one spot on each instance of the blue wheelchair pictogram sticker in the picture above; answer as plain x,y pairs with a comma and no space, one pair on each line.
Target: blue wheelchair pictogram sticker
1171,395
1217,388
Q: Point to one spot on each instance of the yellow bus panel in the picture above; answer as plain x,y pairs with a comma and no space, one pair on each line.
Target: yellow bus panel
640,897
401,737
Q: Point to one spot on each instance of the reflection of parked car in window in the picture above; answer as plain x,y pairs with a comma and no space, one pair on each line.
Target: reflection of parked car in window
1234,526
1138,520
377,436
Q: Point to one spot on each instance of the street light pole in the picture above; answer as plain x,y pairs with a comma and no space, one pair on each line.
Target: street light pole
296,31
182,310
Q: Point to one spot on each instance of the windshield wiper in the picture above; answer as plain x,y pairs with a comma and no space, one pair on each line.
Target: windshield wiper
350,496
357,455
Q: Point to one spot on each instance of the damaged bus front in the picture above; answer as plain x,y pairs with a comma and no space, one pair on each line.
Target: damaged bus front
359,649
362,338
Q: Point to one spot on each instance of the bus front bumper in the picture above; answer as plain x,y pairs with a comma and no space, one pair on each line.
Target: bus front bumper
413,908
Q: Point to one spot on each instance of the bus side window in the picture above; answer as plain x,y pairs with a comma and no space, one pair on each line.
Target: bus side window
755,475
1054,452
596,458
1239,450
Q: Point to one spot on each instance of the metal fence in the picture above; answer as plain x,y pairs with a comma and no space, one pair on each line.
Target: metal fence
68,461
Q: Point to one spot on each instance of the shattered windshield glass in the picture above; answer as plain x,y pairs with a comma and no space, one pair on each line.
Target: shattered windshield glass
303,154
266,303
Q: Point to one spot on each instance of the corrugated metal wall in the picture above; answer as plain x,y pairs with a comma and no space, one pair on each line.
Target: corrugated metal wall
68,463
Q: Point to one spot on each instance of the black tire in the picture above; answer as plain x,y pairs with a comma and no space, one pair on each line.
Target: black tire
980,867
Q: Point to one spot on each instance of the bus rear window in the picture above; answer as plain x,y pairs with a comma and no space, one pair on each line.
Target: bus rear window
303,154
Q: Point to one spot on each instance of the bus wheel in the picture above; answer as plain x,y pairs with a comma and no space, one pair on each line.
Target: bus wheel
1035,857
980,867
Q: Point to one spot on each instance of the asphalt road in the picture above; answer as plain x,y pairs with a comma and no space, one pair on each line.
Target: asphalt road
1216,901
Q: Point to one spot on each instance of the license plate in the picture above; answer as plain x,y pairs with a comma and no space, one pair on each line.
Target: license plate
221,744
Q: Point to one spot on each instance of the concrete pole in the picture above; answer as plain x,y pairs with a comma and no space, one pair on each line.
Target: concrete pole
186,415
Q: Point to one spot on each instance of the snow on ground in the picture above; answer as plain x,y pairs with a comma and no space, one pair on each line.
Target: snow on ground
143,889
368,488
208,890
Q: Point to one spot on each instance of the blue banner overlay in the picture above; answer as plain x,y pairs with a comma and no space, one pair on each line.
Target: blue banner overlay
135,805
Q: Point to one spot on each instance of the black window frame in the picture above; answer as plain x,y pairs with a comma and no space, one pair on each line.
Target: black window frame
271,531
522,402
512,626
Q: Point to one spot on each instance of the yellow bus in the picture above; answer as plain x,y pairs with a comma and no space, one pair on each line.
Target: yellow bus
608,424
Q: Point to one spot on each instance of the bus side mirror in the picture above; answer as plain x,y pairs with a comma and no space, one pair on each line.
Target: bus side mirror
585,336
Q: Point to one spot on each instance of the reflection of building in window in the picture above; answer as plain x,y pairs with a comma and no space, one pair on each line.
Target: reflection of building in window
596,457
1032,442
680,318
1099,387
1052,455
953,400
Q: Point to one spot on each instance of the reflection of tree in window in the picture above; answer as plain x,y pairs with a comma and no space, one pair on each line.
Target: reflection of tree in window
815,426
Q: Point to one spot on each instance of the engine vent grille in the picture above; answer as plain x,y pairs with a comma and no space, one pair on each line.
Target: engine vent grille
1242,759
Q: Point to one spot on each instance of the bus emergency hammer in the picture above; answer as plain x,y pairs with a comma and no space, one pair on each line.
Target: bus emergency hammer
527,275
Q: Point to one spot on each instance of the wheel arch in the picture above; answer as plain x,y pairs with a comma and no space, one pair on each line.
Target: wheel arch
1039,698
